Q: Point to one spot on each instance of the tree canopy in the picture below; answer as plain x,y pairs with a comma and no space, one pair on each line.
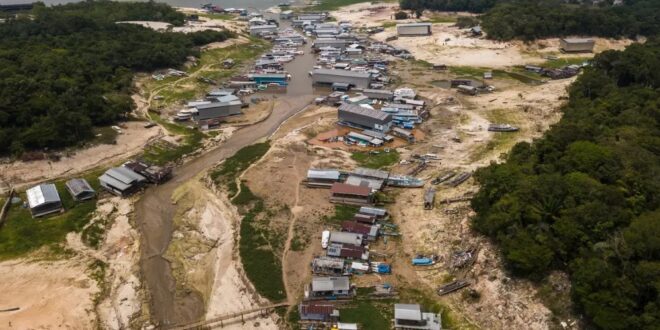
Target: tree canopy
585,198
70,68
533,19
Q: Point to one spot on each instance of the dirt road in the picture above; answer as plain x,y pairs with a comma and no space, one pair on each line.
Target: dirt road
154,211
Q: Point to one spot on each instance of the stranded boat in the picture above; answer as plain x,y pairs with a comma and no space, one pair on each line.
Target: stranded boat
502,128
404,181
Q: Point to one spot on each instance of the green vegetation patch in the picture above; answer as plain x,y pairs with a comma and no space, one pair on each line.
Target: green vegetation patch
244,197
584,198
468,71
371,314
261,265
376,159
342,213
76,66
21,233
233,166
161,154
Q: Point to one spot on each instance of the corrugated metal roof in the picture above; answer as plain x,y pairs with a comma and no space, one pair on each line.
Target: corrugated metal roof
346,238
124,175
346,189
342,73
108,180
373,184
320,284
323,174
78,186
371,173
412,312
355,227
373,210
328,262
358,110
42,194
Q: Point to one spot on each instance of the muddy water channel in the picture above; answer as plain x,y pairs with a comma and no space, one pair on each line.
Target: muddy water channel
154,211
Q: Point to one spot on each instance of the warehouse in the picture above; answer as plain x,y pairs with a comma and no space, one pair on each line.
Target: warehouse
331,42
576,45
80,189
121,181
330,76
44,199
413,29
355,115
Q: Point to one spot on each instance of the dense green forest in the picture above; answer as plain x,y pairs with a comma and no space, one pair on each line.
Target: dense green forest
586,197
70,68
533,19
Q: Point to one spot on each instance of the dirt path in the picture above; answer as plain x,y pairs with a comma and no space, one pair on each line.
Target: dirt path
295,210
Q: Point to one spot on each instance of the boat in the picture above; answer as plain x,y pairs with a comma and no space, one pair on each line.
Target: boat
459,179
502,128
404,181
451,287
442,178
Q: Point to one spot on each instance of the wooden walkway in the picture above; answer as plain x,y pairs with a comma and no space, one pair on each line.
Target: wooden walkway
207,324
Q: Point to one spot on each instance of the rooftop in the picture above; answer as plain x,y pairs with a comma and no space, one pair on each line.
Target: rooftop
77,186
412,312
343,73
42,194
358,110
413,24
323,174
347,189
340,283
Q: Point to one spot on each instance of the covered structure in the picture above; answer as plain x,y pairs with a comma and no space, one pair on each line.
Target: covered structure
576,45
257,30
352,195
80,189
355,115
121,181
318,311
43,200
331,76
209,115
413,29
346,238
318,178
328,266
368,231
348,251
332,286
410,317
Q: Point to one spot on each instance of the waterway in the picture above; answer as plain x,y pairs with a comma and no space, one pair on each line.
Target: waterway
154,211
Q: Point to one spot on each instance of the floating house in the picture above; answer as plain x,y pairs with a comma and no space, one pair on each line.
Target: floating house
328,266
331,286
413,29
317,178
80,189
368,231
347,251
411,317
318,311
353,195
346,238
43,200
